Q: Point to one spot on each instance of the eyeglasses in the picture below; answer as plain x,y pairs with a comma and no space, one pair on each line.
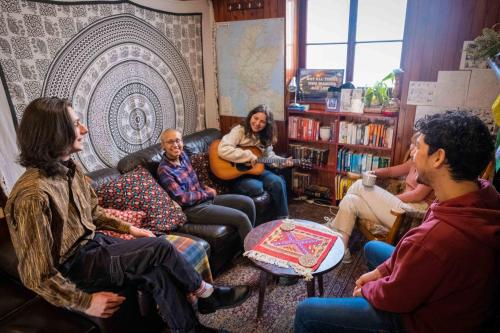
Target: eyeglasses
172,142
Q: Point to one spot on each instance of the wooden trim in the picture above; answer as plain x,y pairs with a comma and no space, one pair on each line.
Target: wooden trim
351,40
302,33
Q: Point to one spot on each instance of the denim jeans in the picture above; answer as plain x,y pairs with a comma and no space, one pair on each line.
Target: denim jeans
349,314
153,264
269,181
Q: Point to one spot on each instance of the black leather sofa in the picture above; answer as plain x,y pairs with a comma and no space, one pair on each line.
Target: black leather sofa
22,311
223,240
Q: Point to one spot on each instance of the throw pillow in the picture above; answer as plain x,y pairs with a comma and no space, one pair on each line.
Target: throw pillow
133,217
201,166
138,190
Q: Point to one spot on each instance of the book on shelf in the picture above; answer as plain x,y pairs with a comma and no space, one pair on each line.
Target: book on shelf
300,181
317,155
348,160
302,128
368,134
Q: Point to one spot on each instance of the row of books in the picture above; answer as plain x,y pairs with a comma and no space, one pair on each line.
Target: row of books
368,134
300,181
348,160
316,155
342,184
302,128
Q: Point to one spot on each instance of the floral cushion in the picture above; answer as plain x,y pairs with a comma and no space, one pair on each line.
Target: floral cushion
138,190
202,168
133,217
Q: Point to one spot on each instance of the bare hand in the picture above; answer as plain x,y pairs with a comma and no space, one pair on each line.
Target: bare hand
138,232
253,160
104,304
289,162
211,190
367,277
357,292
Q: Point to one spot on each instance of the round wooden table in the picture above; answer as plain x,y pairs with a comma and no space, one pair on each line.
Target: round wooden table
330,262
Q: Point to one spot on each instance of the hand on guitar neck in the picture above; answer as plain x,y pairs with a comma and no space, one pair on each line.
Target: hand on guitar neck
227,170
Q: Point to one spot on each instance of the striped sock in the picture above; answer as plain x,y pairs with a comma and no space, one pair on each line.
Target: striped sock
205,290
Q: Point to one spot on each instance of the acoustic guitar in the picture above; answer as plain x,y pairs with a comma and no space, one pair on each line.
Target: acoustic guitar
227,170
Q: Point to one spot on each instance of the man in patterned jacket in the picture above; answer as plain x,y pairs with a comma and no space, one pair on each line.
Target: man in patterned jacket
52,214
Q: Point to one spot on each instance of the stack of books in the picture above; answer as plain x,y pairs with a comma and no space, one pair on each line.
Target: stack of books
317,156
348,160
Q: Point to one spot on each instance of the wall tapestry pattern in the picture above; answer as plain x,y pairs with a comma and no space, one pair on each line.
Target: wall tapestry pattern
130,71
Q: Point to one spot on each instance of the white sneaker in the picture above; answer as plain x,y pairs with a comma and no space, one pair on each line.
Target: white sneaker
348,258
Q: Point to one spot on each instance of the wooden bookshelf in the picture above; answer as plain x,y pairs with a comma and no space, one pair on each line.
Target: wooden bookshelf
325,175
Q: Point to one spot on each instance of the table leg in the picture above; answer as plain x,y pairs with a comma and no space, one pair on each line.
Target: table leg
310,287
262,292
320,285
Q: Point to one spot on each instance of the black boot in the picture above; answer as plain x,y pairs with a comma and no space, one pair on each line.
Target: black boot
223,298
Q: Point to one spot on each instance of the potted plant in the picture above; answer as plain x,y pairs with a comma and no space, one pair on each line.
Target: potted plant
487,46
378,96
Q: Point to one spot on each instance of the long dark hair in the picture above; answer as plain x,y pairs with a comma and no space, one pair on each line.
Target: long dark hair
268,134
45,134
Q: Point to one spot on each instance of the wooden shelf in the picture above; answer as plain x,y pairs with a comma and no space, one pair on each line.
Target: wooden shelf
330,143
343,114
326,168
348,145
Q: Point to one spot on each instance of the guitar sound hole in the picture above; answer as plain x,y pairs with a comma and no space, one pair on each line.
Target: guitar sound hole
243,167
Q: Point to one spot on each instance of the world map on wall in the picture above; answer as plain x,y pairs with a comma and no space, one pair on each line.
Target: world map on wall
250,62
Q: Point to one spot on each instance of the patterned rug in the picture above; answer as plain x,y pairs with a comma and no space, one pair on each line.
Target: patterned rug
280,300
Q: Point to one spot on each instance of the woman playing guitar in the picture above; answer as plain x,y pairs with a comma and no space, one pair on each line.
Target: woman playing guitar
259,131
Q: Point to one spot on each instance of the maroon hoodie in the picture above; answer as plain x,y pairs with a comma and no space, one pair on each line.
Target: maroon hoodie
443,275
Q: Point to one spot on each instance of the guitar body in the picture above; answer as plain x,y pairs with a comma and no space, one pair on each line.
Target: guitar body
226,170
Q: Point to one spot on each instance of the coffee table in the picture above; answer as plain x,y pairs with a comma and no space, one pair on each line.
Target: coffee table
330,262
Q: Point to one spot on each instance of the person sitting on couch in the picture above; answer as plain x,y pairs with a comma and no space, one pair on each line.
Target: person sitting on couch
443,276
52,215
201,203
375,203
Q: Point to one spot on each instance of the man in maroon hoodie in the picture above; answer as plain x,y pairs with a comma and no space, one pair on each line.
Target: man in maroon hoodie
443,276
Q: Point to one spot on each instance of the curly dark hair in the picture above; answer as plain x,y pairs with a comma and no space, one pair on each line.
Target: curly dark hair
268,134
464,138
45,134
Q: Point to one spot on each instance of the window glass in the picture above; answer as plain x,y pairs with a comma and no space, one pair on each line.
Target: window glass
373,61
327,56
380,20
327,21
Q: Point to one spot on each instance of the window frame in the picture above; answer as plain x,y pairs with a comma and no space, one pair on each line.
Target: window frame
351,38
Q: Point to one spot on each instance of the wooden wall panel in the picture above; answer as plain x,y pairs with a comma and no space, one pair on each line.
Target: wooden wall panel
434,35
272,9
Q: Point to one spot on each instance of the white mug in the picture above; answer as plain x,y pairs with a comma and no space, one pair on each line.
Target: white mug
324,133
368,179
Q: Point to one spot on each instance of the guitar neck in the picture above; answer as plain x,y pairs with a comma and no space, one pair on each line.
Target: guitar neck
270,160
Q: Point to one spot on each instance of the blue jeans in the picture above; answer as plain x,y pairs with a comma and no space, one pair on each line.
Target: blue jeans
349,314
255,185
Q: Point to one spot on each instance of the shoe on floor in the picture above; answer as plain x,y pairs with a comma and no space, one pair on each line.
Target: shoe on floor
348,258
223,298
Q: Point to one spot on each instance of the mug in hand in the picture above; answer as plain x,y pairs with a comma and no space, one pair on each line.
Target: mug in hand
368,179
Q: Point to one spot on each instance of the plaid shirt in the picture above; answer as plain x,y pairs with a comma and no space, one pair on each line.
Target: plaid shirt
181,182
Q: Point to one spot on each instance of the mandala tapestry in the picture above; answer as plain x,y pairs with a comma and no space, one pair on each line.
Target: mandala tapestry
129,71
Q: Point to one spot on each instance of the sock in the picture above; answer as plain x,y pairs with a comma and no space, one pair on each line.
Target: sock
205,290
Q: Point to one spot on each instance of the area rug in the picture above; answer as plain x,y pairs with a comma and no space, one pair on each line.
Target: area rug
280,300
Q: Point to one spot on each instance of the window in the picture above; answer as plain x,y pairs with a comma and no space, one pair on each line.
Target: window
364,37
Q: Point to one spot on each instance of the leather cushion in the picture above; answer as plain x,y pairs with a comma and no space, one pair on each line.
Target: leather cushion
215,235
137,190
200,141
8,258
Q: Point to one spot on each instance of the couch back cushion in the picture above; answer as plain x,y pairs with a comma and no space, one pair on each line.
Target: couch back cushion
199,142
8,258
138,190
